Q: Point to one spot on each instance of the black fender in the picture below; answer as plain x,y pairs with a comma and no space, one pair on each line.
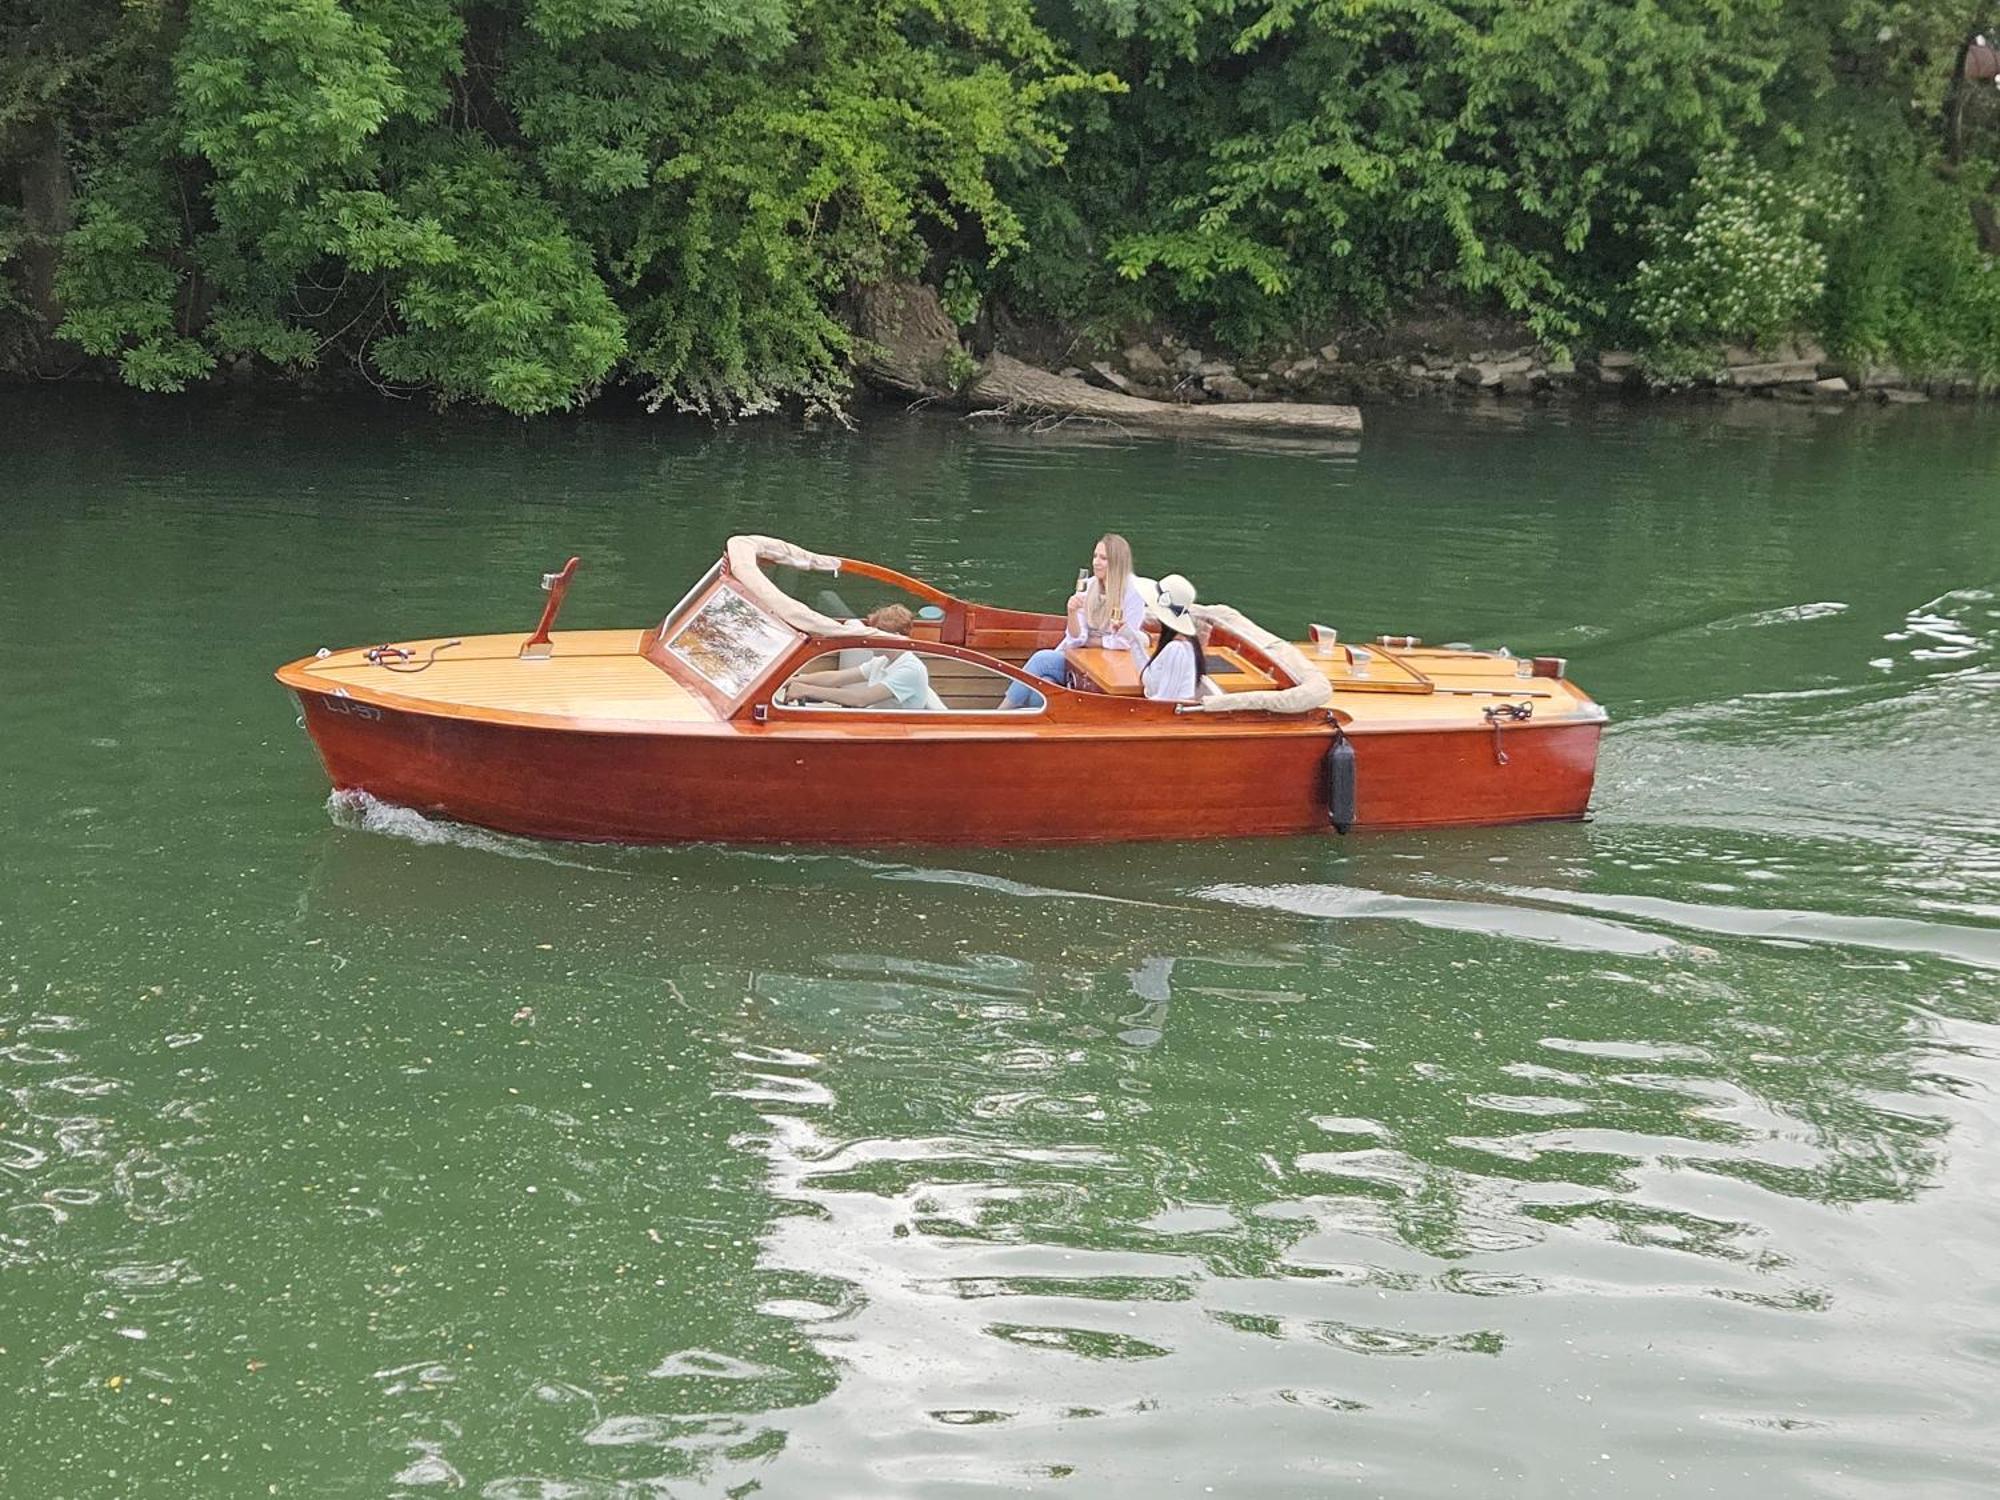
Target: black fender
1339,773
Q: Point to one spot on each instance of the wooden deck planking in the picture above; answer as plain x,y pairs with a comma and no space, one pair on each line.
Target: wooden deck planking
593,674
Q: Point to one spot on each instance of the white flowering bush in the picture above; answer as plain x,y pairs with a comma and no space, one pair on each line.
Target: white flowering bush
1742,258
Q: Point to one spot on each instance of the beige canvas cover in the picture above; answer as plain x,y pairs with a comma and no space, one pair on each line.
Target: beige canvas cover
1313,689
746,556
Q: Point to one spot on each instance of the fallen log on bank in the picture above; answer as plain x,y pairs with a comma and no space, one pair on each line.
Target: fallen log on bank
1005,383
910,347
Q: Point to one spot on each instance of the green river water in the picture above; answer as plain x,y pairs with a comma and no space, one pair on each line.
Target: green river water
347,1154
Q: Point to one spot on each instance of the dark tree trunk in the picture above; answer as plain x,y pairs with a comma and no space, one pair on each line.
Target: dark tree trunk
1987,221
45,208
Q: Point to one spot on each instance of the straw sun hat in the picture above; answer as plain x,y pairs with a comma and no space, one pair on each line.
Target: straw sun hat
1172,606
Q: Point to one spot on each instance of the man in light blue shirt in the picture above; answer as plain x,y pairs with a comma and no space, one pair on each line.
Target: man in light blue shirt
900,681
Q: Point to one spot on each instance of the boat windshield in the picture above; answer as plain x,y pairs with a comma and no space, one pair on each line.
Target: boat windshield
729,640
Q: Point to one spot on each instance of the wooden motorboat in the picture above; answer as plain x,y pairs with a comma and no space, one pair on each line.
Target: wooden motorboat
684,731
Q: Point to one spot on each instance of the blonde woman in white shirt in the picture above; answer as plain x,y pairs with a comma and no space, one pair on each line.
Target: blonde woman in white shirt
1175,672
1106,610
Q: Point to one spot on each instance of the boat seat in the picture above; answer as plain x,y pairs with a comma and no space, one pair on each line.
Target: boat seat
1012,644
965,684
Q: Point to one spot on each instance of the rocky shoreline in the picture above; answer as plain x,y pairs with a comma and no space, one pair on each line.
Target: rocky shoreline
1165,369
1186,386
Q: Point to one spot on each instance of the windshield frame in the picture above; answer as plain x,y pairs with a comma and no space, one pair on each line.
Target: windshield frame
730,690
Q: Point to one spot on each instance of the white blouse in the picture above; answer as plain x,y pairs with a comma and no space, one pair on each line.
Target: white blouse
1132,637
1170,675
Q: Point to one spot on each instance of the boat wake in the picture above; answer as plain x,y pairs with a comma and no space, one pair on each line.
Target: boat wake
1944,628
364,813
1489,918
998,884
1790,614
1976,946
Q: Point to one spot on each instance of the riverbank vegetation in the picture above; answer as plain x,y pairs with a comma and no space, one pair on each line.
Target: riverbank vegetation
520,202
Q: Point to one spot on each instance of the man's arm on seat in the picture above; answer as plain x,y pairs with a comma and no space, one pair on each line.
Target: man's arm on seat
845,678
866,695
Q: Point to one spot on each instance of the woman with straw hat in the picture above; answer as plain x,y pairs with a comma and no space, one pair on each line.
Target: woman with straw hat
1176,670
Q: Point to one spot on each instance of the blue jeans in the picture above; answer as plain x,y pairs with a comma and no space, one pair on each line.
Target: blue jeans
1050,666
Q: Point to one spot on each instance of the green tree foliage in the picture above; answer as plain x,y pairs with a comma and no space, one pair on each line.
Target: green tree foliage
1350,152
1283,165
516,201
70,70
1907,280
817,145
512,202
1913,276
307,192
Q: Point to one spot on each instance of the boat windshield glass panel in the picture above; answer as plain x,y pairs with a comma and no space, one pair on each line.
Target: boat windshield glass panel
730,641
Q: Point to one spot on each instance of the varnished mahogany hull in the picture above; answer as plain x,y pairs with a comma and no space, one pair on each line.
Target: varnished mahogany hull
741,783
